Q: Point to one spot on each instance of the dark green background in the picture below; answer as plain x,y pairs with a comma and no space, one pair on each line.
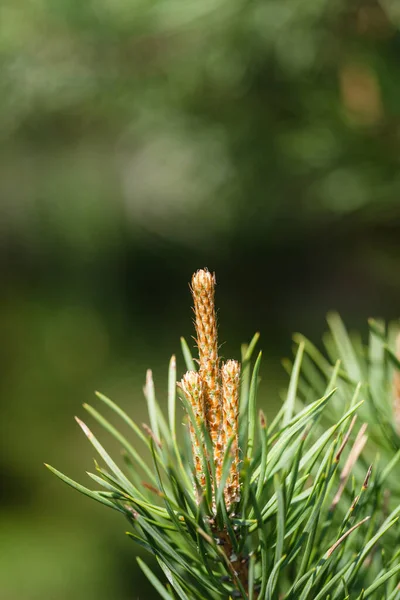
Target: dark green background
141,140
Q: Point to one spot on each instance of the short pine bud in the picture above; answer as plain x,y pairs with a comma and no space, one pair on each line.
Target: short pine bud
230,376
192,387
396,390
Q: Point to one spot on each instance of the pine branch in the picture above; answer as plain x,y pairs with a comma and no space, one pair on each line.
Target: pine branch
242,509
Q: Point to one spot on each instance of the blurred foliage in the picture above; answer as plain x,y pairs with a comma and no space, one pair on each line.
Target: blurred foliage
139,141
183,110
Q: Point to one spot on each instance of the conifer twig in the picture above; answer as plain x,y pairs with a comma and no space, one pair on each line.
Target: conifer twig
269,529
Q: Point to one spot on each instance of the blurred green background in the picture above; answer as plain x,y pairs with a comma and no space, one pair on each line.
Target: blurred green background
141,140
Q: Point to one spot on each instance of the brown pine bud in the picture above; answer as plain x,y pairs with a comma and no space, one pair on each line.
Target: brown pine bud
203,290
192,387
230,375
396,390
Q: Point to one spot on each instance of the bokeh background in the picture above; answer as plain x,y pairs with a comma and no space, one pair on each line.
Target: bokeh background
139,141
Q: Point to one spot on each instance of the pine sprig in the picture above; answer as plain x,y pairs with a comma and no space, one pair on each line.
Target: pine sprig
243,509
